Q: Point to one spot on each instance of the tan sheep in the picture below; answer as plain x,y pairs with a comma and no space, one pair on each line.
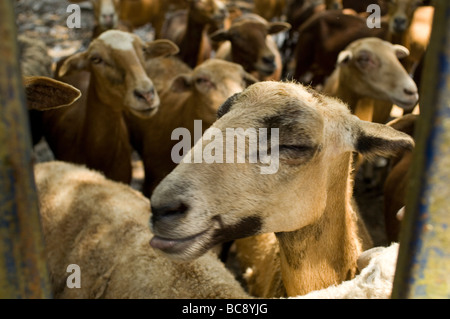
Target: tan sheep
307,203
248,42
369,69
102,226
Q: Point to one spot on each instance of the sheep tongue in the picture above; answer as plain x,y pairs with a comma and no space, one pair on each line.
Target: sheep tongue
162,244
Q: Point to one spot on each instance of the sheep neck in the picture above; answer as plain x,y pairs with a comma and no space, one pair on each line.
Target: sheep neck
345,92
109,138
191,46
361,106
324,253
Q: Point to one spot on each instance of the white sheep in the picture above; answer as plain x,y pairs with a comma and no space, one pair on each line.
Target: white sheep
377,267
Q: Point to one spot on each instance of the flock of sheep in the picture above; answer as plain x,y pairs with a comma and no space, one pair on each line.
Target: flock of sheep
329,88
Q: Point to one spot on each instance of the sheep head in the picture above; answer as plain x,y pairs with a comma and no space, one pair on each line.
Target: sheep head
200,205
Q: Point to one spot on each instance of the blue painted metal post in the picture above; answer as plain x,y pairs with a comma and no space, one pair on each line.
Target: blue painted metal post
23,269
423,267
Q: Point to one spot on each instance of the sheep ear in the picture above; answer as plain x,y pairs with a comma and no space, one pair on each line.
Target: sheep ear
76,62
181,83
405,123
344,57
277,27
43,93
220,35
160,48
372,139
400,51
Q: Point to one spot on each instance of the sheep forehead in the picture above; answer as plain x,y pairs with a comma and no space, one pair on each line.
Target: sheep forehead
377,46
271,104
249,27
117,40
219,69
107,7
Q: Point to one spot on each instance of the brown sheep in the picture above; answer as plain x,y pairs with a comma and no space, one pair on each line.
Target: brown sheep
34,61
189,29
306,203
248,42
92,131
410,26
140,12
269,9
396,183
193,96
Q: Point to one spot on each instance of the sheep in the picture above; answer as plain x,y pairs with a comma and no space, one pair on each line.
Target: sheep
43,94
248,43
163,69
34,58
374,281
199,205
269,9
410,26
92,131
193,96
106,16
320,39
188,29
86,219
395,185
369,68
140,12
34,61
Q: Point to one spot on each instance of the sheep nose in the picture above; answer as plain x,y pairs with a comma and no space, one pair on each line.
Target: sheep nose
168,213
146,95
409,92
269,59
223,13
400,23
108,18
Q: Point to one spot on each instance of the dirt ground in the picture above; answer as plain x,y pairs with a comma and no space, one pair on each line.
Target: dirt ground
46,20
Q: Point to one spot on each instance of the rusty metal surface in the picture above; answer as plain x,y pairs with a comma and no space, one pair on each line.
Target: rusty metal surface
423,267
23,270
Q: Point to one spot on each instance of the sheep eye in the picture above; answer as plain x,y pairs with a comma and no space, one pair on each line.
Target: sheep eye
96,60
296,154
202,81
296,150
